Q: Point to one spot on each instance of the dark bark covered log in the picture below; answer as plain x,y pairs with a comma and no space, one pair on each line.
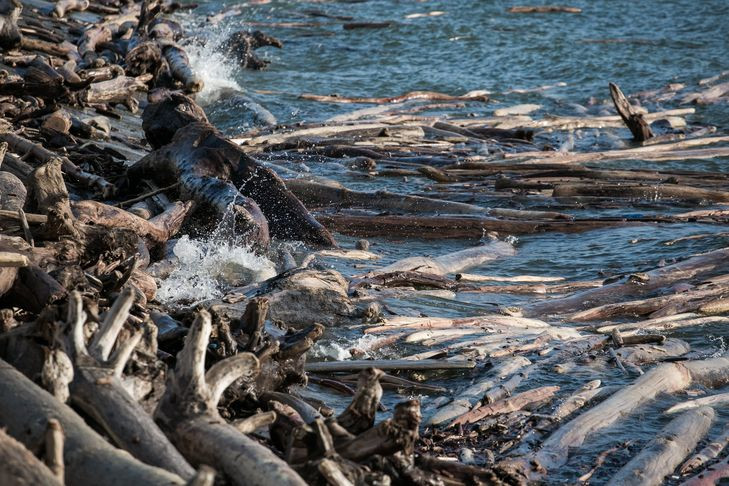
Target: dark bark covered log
648,191
180,67
445,227
145,57
203,161
33,289
389,436
9,33
20,145
161,119
12,192
633,120
242,44
87,455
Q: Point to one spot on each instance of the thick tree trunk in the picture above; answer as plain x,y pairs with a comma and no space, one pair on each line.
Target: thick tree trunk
88,457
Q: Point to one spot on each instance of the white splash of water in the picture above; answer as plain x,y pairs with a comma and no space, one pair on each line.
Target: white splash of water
340,350
208,267
216,71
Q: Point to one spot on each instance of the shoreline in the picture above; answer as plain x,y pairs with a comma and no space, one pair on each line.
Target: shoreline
98,177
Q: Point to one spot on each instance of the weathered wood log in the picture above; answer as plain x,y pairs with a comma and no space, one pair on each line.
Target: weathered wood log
511,404
711,451
392,435
383,364
188,414
666,451
20,468
12,192
453,262
63,6
97,388
718,399
212,170
666,378
180,67
412,95
121,89
87,455
10,35
634,285
471,396
332,194
92,38
51,195
157,230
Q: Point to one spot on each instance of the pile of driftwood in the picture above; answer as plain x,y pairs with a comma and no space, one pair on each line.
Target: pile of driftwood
103,383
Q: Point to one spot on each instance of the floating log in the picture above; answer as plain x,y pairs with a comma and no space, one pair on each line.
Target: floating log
634,285
442,227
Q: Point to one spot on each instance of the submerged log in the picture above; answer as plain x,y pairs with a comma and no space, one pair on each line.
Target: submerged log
666,378
666,451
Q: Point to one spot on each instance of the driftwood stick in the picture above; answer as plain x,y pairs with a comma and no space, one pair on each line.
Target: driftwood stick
19,467
634,121
54,449
712,400
711,451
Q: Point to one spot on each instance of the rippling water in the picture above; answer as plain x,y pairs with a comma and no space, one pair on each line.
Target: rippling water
477,45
